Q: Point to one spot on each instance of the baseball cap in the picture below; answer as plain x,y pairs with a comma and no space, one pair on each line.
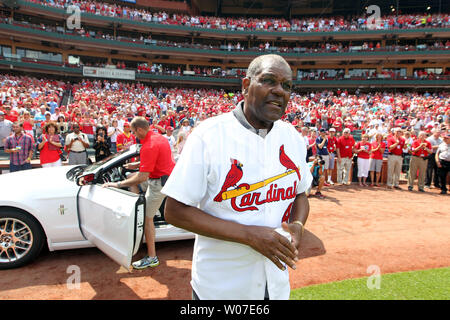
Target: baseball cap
169,128
126,124
323,130
333,129
2,113
47,113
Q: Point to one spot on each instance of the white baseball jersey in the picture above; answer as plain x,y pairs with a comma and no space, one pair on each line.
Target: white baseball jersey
234,174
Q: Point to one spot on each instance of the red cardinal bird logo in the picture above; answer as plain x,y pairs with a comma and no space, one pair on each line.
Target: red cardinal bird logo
287,162
233,177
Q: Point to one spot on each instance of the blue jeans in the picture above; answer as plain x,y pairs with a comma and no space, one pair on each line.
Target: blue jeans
13,167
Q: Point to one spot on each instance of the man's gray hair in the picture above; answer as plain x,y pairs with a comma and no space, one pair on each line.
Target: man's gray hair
255,66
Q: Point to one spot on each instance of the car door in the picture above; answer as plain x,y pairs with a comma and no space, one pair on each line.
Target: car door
113,220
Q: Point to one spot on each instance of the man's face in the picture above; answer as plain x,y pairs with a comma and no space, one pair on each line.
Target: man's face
16,128
137,132
76,129
267,94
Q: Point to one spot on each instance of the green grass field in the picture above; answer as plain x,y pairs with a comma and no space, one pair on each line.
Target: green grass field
433,284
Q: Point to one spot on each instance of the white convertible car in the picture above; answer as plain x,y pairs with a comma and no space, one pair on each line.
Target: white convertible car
67,208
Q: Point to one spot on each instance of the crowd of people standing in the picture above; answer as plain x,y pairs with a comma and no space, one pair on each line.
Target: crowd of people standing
99,114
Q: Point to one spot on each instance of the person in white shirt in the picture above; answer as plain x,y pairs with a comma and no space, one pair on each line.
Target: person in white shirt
240,186
169,136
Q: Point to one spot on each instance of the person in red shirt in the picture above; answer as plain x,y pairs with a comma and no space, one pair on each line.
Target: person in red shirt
363,149
125,139
49,145
155,166
376,159
344,150
395,146
10,115
337,124
420,149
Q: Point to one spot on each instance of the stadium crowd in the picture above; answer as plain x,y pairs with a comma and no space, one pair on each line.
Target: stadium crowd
99,112
320,47
387,22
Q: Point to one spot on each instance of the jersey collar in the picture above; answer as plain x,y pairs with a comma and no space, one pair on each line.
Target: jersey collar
238,113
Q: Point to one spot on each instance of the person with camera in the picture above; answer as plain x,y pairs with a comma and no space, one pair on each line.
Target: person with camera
316,168
102,144
76,145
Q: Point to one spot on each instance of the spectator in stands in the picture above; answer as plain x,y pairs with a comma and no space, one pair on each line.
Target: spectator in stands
126,138
10,114
344,150
20,149
312,141
5,129
113,132
181,140
363,151
376,159
395,144
169,136
39,117
431,174
186,128
27,123
76,146
443,161
102,144
49,145
421,149
63,126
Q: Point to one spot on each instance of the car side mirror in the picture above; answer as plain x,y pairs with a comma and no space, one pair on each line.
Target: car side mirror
86,179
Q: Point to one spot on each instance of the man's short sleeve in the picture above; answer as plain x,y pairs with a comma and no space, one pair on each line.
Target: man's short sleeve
188,181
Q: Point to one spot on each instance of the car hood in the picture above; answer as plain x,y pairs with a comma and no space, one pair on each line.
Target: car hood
34,182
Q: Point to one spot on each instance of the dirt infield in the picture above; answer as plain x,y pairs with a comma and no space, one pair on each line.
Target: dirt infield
350,230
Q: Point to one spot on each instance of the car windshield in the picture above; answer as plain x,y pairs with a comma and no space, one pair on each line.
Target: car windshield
95,165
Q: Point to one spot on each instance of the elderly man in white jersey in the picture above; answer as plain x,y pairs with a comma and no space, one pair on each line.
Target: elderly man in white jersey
240,186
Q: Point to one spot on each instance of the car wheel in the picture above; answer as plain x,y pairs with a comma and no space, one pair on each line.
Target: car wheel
21,238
